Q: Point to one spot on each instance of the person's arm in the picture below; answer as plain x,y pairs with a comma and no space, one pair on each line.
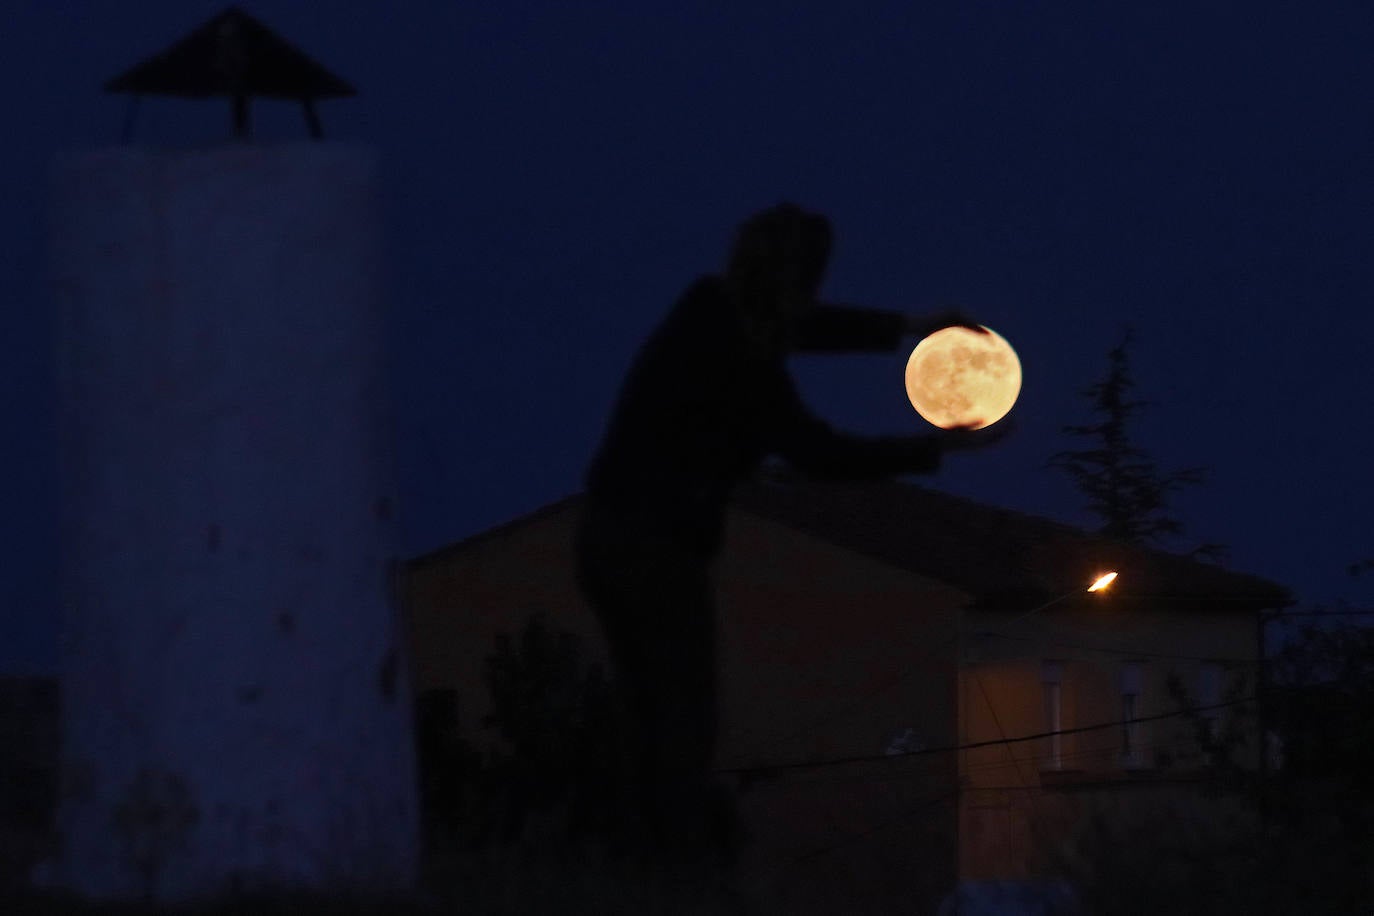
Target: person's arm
848,329
813,447
927,324
810,444
829,328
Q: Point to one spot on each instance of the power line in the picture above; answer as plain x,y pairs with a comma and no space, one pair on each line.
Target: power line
931,651
873,758
997,721
912,665
1011,754
930,802
949,796
882,686
1001,764
955,792
1033,758
1077,755
994,742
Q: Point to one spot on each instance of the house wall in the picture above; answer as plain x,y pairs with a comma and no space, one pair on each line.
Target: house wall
1017,806
830,654
458,600
823,654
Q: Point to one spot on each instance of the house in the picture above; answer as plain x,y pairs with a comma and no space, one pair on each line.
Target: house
885,649
915,689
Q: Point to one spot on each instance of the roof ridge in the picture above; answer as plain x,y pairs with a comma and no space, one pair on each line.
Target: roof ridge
1023,552
497,530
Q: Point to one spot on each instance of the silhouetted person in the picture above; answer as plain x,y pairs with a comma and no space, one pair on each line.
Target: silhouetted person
706,399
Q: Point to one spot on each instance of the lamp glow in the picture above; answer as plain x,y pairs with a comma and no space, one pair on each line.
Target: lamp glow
1102,582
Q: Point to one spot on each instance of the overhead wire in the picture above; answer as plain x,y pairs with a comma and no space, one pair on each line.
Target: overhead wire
843,778
1003,740
954,793
911,667
1011,753
767,769
973,745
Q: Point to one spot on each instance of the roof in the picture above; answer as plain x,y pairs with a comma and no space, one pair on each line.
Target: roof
547,511
232,54
1001,557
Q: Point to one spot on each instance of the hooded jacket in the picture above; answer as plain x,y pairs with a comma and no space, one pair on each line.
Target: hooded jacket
702,406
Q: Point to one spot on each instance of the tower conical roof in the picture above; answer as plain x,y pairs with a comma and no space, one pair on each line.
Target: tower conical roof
231,55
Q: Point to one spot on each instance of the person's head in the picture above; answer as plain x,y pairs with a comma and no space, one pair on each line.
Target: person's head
775,269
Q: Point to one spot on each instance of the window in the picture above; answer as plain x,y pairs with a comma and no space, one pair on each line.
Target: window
1051,684
1131,751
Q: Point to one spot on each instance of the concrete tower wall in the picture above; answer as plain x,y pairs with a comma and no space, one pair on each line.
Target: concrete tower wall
235,692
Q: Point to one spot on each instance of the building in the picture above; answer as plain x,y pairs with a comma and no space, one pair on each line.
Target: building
233,703
916,689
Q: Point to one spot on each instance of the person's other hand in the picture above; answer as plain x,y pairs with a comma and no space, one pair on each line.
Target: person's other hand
963,438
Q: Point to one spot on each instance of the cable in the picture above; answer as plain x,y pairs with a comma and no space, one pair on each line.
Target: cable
840,778
883,685
1011,754
955,792
948,796
997,721
866,758
912,665
935,800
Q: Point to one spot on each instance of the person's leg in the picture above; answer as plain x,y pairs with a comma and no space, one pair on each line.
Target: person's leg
655,606
616,570
679,709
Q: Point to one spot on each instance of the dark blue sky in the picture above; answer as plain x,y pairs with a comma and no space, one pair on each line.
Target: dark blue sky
555,173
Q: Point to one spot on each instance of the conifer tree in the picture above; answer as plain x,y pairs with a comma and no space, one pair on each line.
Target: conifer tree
1124,486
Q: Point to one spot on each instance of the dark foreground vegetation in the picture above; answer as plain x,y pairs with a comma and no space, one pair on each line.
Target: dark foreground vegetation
509,881
524,830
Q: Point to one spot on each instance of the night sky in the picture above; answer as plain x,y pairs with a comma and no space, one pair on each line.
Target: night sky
554,174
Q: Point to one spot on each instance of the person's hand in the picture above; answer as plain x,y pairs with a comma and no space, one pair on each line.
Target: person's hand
925,325
964,438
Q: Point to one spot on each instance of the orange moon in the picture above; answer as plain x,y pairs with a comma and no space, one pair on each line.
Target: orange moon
958,377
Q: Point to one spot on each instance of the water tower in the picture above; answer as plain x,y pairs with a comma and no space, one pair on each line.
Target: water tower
235,687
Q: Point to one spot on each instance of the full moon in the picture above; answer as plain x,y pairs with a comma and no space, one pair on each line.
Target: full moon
958,377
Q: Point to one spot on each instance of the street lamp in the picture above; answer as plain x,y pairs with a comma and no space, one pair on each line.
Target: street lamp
1100,584
1103,581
